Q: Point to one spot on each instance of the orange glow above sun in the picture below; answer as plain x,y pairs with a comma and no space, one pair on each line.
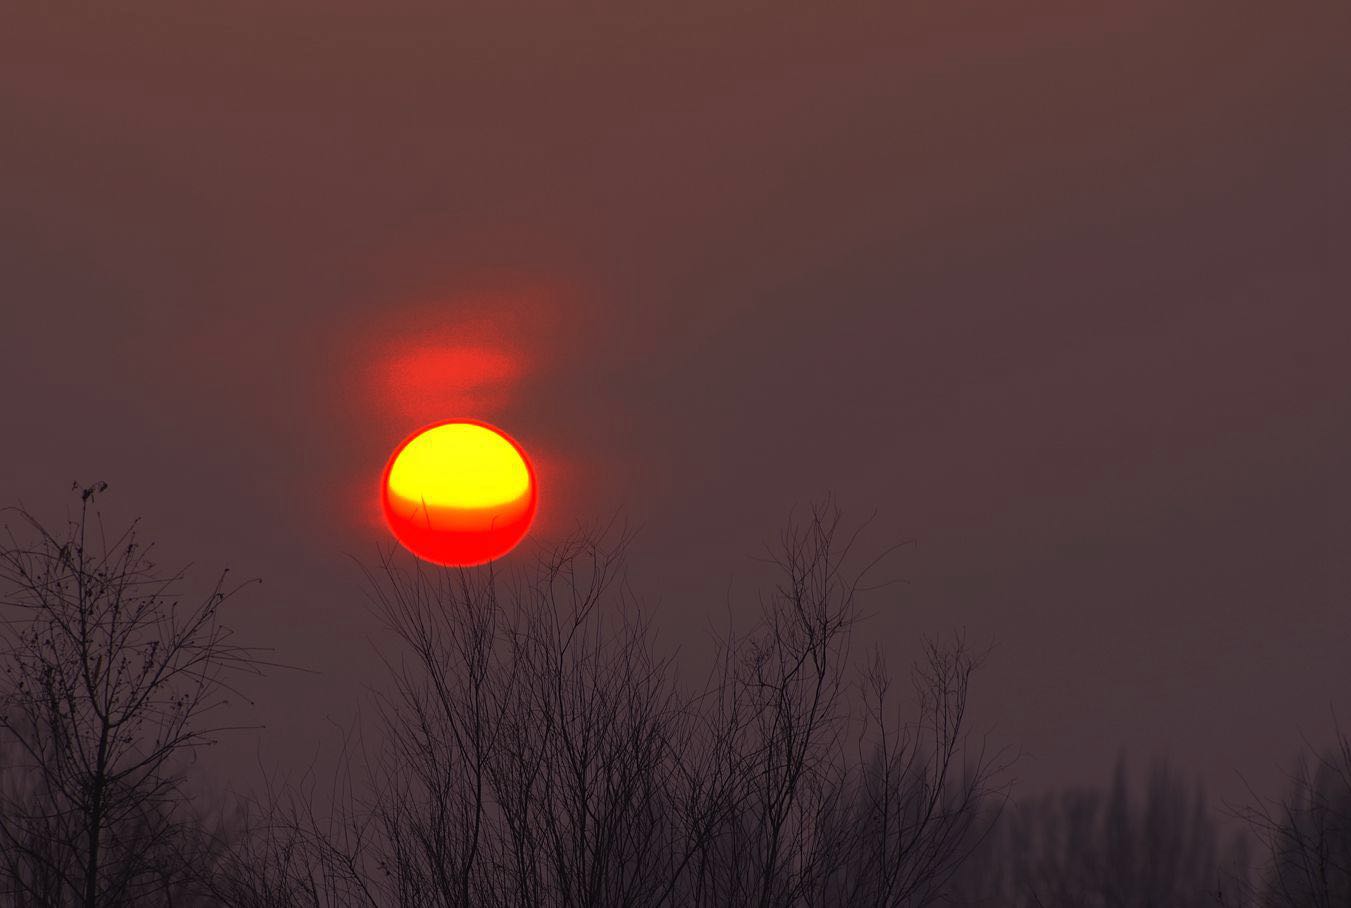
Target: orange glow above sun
459,493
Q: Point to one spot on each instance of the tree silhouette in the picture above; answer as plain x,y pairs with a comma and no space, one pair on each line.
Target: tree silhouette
1307,833
534,749
110,682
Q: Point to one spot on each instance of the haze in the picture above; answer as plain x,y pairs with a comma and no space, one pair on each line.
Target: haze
1058,290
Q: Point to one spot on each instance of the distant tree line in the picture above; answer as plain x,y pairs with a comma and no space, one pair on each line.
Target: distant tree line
534,747
1111,846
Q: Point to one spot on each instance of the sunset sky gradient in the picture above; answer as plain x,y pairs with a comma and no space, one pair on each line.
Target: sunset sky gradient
1059,290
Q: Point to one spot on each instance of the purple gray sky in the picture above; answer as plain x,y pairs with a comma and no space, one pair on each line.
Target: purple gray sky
1058,289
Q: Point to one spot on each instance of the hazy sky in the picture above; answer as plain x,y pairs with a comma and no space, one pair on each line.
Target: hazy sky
1060,290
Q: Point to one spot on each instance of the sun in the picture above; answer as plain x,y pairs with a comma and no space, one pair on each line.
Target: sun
459,493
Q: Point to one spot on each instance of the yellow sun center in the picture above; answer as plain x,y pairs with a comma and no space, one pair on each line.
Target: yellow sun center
459,465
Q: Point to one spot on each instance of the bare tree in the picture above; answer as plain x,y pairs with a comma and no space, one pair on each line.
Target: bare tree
532,748
111,681
535,749
838,798
1307,833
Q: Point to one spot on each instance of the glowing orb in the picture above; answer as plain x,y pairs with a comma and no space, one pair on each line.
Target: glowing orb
459,493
